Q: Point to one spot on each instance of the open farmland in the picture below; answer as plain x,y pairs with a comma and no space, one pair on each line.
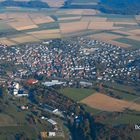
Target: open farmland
76,94
54,3
46,24
107,103
72,27
24,38
7,41
6,120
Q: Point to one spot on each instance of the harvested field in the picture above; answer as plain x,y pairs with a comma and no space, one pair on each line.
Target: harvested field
24,38
80,11
105,36
94,19
6,41
120,44
134,37
109,38
74,11
102,26
17,15
69,18
122,18
107,103
73,26
41,19
25,27
46,34
136,31
89,12
122,32
3,16
125,23
137,17
54,3
23,24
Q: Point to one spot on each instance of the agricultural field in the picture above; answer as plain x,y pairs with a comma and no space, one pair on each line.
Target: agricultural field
120,30
123,118
54,3
76,94
84,2
107,103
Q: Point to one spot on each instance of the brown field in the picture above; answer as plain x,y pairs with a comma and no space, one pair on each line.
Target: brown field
136,31
108,38
3,16
6,41
38,19
120,44
126,23
54,33
54,3
134,37
105,36
79,11
107,103
89,12
73,26
13,15
22,0
24,38
48,36
74,11
86,19
122,32
69,18
102,26
94,19
137,17
21,27
23,23
18,15
44,32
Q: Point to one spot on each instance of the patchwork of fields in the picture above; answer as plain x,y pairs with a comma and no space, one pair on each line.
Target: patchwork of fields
102,101
100,104
33,25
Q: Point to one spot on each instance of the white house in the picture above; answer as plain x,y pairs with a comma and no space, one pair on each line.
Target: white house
52,134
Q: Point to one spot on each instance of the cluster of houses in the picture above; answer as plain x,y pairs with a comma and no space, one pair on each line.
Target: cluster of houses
79,58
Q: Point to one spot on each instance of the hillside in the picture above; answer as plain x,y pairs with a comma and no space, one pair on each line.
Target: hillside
120,7
28,4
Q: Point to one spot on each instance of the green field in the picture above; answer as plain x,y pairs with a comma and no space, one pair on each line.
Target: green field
123,119
76,94
123,88
92,110
135,44
7,132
